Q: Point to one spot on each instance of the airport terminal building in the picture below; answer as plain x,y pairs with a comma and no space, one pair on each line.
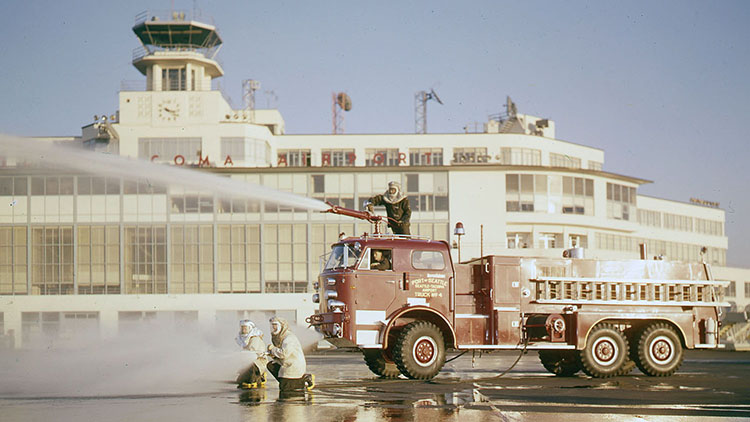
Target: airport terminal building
112,252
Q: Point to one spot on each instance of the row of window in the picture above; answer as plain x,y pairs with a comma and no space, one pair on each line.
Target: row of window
621,201
669,250
377,157
157,259
563,160
523,240
188,151
549,194
425,192
680,222
100,199
65,185
525,193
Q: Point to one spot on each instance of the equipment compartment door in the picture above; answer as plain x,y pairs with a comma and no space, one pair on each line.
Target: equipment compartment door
507,303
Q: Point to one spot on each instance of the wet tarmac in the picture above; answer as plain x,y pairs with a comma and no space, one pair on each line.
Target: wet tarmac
709,386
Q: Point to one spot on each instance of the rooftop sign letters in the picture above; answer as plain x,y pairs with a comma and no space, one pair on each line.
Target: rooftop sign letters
698,201
179,160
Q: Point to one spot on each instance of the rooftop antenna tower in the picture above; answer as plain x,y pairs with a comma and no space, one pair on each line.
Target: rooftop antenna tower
420,109
341,102
249,86
510,108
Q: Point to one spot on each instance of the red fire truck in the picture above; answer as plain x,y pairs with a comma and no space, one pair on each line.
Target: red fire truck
403,301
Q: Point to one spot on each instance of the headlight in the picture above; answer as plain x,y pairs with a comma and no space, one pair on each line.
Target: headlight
316,285
336,306
331,281
316,298
332,294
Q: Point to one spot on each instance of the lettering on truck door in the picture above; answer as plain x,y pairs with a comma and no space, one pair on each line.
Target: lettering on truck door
429,279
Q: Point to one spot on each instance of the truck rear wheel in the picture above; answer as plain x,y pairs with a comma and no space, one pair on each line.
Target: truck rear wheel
419,351
563,363
659,352
605,351
379,364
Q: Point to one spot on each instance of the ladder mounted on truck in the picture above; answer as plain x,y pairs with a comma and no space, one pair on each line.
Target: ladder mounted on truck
609,291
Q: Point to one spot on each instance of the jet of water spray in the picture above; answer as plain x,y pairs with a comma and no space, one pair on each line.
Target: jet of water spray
54,156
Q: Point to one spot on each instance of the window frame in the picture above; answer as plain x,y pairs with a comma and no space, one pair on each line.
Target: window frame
442,256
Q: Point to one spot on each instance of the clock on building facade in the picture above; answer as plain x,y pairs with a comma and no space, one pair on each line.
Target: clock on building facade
168,110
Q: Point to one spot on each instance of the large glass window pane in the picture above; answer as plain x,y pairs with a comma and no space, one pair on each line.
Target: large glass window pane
567,185
20,186
66,185
511,183
6,186
527,183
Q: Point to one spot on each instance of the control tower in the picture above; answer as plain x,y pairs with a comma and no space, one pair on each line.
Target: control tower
177,117
178,53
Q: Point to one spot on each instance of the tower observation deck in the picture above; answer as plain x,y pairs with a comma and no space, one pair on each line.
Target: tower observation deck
178,52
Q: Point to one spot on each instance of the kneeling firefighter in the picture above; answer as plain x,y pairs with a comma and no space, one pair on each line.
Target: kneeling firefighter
287,358
250,338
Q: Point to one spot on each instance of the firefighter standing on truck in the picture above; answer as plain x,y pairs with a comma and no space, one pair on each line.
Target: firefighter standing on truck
396,206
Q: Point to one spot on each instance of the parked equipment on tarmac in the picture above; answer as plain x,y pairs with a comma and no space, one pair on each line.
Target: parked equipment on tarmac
602,317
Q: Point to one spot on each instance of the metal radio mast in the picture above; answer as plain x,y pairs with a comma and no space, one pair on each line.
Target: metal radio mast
420,109
249,86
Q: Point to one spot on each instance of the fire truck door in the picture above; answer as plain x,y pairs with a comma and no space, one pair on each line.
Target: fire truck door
376,284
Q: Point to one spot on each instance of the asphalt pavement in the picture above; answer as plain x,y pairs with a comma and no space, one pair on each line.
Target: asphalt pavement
710,385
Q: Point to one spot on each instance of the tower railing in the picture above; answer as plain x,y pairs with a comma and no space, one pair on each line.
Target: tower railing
143,51
174,15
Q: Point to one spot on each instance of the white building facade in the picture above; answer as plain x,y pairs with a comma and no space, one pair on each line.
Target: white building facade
111,251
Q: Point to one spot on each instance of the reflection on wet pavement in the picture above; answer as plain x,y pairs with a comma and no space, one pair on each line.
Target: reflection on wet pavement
347,391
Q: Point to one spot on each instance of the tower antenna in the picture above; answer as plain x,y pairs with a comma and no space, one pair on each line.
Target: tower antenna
249,86
420,109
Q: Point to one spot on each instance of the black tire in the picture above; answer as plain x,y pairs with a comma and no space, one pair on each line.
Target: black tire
659,351
379,364
605,352
419,351
627,366
562,363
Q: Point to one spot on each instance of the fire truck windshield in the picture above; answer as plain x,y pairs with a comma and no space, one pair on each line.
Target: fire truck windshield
343,256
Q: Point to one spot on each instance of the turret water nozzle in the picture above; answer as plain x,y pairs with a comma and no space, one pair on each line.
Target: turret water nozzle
362,215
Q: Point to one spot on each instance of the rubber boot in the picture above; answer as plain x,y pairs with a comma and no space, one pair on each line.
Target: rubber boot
309,381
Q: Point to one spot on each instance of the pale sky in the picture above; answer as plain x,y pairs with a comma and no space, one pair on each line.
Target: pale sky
661,87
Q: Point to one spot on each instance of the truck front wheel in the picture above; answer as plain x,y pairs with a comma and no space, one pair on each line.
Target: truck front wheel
563,363
379,364
419,351
659,352
605,351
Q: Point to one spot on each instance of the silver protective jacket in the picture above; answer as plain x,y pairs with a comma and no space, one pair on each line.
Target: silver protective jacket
287,352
